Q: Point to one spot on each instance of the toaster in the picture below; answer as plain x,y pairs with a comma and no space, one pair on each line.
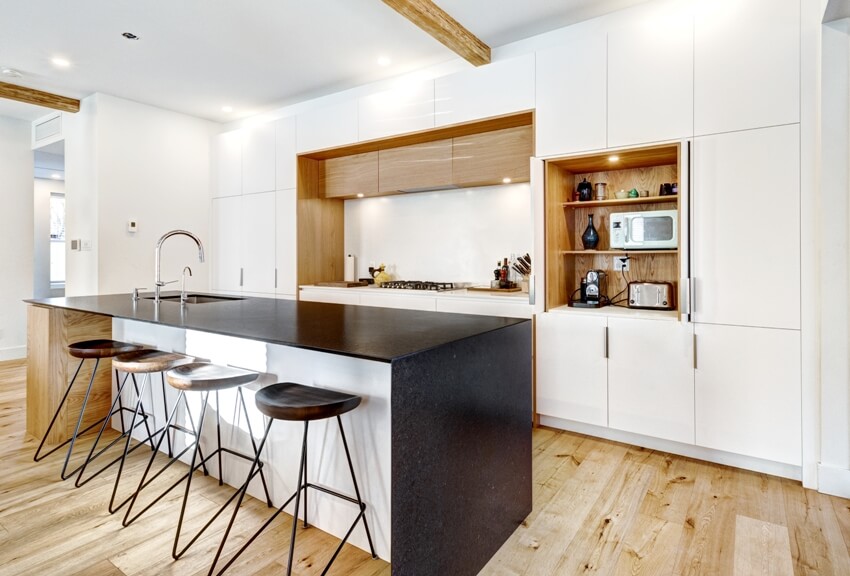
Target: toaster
655,295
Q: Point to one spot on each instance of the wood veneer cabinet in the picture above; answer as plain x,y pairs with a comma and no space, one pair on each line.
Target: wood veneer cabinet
567,261
348,176
488,158
420,166
50,369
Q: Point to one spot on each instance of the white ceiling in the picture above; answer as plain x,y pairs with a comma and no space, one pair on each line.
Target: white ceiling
194,56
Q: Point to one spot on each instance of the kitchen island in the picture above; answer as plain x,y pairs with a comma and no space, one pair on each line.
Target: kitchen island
441,443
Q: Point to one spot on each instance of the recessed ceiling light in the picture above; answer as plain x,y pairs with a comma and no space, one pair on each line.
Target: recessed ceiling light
227,108
11,73
506,180
60,62
360,195
130,36
55,176
613,158
384,61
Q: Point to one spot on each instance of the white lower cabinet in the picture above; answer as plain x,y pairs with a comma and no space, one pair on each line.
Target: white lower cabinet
748,391
651,378
286,233
572,370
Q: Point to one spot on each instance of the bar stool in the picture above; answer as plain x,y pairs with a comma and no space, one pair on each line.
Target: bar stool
88,349
296,402
204,378
145,362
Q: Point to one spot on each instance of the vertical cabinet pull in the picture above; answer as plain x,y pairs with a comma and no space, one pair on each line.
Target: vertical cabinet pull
275,277
606,342
695,351
241,276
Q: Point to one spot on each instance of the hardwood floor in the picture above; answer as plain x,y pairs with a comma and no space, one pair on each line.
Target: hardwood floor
599,508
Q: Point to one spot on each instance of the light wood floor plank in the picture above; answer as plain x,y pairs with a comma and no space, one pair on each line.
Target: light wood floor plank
761,548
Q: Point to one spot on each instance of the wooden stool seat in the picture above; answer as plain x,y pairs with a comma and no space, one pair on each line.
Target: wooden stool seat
146,360
102,348
202,377
290,401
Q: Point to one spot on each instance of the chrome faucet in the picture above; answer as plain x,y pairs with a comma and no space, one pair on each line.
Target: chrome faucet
183,284
157,281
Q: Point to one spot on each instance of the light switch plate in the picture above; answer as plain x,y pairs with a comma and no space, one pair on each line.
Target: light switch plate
132,225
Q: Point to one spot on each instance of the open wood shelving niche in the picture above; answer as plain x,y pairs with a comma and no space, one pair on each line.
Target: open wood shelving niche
566,219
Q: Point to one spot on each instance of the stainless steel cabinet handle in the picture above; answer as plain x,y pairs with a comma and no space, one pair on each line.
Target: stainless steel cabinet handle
275,277
241,276
606,342
695,351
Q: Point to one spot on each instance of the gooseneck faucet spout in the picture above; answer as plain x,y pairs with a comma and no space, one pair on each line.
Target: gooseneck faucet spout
158,283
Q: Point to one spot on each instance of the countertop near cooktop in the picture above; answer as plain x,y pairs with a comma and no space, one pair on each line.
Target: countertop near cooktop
381,334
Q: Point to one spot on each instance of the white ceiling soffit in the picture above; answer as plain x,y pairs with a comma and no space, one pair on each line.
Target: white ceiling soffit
836,10
22,111
196,56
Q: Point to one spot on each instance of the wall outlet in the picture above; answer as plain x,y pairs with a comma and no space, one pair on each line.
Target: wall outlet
621,263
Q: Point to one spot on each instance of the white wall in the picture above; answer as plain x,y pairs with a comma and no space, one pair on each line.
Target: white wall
445,236
834,239
16,226
126,160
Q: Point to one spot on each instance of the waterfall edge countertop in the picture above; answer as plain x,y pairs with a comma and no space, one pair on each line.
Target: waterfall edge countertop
371,333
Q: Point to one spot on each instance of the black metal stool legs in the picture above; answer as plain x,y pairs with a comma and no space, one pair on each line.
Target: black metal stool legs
303,484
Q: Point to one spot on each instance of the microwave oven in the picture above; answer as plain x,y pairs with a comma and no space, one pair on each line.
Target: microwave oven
651,230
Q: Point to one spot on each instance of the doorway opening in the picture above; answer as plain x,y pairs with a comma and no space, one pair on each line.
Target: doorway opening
49,211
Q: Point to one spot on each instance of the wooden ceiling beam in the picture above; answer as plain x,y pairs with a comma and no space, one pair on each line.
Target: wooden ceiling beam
39,98
448,31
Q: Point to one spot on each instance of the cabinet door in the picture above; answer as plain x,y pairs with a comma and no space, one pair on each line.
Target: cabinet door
327,127
746,64
285,154
381,299
650,77
227,159
651,378
748,391
258,243
227,244
502,87
571,95
408,107
745,250
424,166
571,368
348,176
258,158
487,158
285,236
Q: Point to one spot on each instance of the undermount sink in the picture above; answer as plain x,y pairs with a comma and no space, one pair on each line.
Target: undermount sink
197,298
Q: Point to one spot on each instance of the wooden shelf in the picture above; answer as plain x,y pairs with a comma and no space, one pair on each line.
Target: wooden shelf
618,311
621,202
616,252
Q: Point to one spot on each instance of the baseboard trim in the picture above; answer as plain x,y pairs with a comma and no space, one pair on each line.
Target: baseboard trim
689,450
834,481
13,353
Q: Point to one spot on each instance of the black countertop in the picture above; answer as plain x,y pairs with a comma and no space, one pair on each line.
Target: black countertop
381,334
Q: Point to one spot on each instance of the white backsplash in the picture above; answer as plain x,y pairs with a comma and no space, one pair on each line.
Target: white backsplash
445,236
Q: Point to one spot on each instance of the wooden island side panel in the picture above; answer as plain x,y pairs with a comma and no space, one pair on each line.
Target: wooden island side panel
50,369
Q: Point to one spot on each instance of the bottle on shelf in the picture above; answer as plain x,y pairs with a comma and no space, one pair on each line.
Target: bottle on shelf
590,238
503,275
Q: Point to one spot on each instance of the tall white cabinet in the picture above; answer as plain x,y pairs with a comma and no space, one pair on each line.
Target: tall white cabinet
253,210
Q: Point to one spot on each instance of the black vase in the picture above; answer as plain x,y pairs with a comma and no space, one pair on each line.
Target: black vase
590,238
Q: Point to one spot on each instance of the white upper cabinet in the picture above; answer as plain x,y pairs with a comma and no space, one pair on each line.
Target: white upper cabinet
407,107
571,95
285,153
748,391
746,64
227,162
651,378
328,126
286,235
650,76
746,226
572,370
258,158
499,88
